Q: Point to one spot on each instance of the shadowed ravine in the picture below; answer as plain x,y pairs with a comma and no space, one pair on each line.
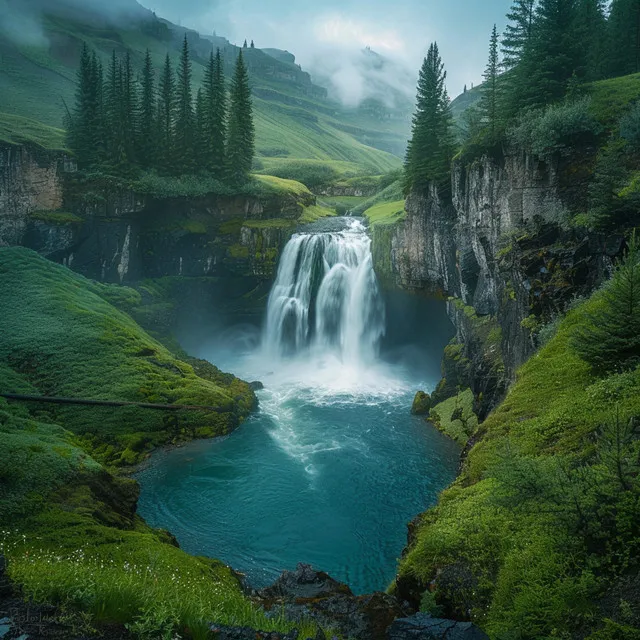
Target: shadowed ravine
332,467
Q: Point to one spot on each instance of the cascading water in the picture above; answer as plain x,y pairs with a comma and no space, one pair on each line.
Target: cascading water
333,465
326,298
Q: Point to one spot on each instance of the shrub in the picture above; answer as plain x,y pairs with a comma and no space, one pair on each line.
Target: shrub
630,127
610,339
555,128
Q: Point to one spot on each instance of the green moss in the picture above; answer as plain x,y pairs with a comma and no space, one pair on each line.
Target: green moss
455,417
281,186
314,213
56,217
15,129
535,521
231,227
386,213
239,252
271,223
68,317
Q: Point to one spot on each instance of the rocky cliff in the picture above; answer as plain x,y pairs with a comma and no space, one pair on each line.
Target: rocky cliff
110,233
502,249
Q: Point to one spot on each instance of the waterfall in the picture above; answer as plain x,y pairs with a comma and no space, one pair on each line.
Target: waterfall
326,298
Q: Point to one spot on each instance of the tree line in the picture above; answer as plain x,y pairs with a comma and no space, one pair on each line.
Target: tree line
548,50
125,122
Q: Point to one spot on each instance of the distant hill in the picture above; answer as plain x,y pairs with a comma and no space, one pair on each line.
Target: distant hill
39,54
464,101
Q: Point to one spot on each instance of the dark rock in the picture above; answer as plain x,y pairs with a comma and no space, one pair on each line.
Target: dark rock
222,632
304,584
423,627
256,386
314,595
421,404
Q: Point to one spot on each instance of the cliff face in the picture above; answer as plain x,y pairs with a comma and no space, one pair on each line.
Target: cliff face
29,182
112,234
502,251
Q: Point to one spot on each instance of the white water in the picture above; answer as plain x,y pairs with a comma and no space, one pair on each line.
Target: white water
326,303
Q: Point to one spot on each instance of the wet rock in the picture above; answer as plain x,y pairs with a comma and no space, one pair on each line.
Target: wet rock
424,627
309,594
304,584
221,632
256,386
421,404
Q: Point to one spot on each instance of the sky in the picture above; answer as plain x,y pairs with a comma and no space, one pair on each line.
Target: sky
332,31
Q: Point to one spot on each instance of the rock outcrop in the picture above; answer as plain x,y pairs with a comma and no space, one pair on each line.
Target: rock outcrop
314,595
501,249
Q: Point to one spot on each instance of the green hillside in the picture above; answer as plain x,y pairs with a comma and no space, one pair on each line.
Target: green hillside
294,118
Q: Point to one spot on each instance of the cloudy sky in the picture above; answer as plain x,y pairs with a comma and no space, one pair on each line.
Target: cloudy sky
401,29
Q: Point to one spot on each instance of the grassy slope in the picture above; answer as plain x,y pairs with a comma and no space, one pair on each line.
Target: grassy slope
37,82
70,531
386,213
530,568
70,340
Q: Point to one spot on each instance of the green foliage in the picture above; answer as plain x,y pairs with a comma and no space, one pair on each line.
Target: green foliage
610,338
430,148
387,213
215,115
69,317
624,37
241,131
391,193
490,102
518,32
455,417
18,130
554,128
312,173
630,127
184,129
544,517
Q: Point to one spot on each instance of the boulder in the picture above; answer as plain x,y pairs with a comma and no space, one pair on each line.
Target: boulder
309,594
421,404
422,626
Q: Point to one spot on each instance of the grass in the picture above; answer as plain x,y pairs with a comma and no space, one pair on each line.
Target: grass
56,217
38,81
386,213
316,212
455,417
274,184
610,99
69,317
533,526
15,129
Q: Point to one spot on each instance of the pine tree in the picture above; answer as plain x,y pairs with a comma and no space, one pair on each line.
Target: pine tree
185,118
430,148
490,89
147,122
215,96
253,46
99,126
201,130
244,46
129,109
166,118
518,32
552,55
84,125
591,33
115,117
624,37
610,339
241,129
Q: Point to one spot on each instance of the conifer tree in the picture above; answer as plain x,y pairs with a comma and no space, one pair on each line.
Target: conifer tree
591,34
215,96
241,130
115,117
129,109
84,126
624,37
98,128
185,119
610,341
166,117
490,89
551,56
147,122
430,148
518,32
201,131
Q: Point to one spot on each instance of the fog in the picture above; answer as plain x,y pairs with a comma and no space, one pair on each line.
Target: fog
330,39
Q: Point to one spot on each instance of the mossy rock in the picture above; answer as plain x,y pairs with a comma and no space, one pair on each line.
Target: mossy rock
421,404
